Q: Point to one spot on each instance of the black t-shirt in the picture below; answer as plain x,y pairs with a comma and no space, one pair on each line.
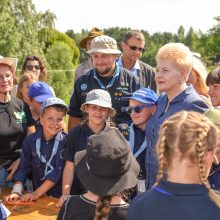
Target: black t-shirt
80,208
77,141
15,117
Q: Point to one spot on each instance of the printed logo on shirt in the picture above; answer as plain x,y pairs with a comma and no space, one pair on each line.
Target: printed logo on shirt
83,87
21,117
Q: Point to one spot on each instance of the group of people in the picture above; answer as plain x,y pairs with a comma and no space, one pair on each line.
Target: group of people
135,136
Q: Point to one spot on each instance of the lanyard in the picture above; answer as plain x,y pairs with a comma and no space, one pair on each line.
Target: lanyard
131,142
116,73
49,168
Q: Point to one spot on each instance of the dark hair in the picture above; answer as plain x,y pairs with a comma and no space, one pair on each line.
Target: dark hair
133,33
102,208
43,72
213,77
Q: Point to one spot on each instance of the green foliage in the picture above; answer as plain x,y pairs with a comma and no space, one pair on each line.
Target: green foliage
59,55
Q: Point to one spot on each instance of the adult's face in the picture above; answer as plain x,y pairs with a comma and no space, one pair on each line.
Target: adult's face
131,49
6,79
33,68
104,63
168,77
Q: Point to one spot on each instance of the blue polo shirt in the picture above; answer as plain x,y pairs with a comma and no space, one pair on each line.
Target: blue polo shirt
122,84
31,164
172,201
188,100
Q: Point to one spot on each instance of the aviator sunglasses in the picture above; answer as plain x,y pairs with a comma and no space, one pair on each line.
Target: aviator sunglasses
136,48
137,109
32,67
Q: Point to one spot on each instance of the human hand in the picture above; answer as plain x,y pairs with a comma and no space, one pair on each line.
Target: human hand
13,197
12,169
29,197
61,200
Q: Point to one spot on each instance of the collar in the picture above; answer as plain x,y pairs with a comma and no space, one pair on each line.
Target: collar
181,189
189,90
134,68
39,134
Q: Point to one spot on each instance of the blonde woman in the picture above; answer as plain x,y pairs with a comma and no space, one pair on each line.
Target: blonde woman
174,64
185,151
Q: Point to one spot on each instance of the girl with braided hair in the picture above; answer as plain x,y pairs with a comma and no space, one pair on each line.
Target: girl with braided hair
185,150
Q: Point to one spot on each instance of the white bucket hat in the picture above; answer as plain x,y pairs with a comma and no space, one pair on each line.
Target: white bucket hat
99,97
9,61
104,44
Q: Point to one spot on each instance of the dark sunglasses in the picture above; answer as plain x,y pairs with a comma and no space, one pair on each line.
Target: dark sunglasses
137,109
136,48
31,67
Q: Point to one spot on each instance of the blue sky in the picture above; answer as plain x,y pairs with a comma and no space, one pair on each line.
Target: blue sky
150,15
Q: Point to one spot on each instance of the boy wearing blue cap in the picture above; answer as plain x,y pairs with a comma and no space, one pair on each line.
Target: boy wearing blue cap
142,104
38,93
41,155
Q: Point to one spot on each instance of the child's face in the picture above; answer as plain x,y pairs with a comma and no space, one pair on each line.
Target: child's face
24,90
214,93
35,106
52,122
140,119
97,115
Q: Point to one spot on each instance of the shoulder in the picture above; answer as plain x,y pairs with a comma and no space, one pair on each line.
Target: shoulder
145,66
17,101
76,130
127,74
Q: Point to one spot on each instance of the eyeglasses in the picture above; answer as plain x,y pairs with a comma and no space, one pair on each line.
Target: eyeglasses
136,48
137,109
7,77
32,67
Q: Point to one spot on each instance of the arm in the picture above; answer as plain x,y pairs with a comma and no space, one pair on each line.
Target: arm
68,175
16,193
73,122
31,129
45,186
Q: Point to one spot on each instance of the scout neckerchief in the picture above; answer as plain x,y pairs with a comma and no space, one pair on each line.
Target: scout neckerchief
116,73
132,142
48,168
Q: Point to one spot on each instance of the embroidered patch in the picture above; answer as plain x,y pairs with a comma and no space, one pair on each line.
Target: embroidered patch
21,117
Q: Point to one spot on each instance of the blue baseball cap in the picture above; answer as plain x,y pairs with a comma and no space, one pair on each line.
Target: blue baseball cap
53,101
144,95
40,91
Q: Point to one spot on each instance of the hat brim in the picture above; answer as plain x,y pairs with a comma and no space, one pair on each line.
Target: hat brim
102,185
107,50
83,42
96,102
42,98
139,100
10,62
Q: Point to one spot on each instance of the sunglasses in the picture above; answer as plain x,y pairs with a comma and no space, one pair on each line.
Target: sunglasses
137,109
136,48
32,67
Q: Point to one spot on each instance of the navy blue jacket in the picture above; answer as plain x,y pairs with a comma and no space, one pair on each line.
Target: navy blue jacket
31,164
188,100
122,84
174,201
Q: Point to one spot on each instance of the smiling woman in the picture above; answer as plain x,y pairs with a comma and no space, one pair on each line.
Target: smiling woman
17,121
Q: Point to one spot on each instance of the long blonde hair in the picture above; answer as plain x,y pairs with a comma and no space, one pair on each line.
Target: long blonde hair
191,135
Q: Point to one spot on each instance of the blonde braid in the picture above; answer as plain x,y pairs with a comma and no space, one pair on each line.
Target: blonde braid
200,150
161,148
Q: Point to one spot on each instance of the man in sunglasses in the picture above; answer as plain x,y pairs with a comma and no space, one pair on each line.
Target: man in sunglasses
106,75
142,104
133,46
